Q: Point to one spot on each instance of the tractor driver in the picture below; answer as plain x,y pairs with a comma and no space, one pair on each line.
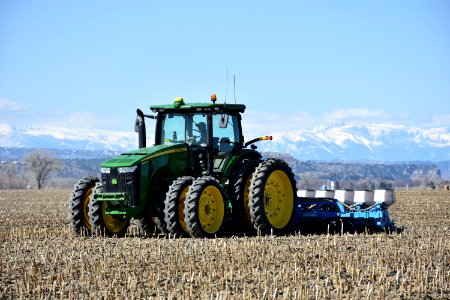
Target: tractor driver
202,129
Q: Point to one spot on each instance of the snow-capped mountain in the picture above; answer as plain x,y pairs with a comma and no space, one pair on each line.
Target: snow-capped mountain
66,138
364,141
338,141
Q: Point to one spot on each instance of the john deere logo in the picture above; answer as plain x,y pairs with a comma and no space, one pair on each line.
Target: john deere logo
114,181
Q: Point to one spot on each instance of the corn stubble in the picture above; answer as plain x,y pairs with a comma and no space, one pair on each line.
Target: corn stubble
42,259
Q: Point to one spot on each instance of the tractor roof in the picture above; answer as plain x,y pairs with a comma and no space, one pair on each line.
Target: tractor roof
180,106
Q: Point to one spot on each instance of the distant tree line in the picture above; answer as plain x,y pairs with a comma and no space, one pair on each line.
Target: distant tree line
40,169
361,175
40,166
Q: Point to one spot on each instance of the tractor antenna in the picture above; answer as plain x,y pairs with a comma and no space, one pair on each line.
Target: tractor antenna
234,88
226,91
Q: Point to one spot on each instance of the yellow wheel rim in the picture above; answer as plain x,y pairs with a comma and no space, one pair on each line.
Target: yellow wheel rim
278,199
113,224
181,202
211,209
86,200
246,198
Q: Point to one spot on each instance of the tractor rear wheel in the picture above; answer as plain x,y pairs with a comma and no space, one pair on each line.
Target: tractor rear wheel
79,205
272,197
205,208
102,223
240,181
174,206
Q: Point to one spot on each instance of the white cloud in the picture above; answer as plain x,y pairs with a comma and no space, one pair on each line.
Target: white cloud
357,113
5,129
82,119
255,123
263,123
17,114
260,123
7,104
440,120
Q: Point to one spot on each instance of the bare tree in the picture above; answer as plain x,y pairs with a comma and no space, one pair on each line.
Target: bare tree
10,172
42,164
12,177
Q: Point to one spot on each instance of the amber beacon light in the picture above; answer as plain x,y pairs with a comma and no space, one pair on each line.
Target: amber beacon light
213,98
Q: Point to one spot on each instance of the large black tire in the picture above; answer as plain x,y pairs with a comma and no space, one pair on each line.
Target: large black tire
239,188
158,188
272,197
79,205
101,223
174,206
205,208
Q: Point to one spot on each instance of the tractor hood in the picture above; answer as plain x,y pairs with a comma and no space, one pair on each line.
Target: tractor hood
132,158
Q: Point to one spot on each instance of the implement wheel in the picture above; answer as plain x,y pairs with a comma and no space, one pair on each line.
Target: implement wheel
205,208
79,205
272,192
174,206
102,223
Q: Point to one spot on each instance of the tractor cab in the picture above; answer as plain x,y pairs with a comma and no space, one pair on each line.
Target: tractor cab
212,132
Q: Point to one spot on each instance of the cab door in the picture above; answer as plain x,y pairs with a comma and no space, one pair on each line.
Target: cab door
226,137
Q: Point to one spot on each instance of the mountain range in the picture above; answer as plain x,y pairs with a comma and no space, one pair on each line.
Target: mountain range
337,141
364,141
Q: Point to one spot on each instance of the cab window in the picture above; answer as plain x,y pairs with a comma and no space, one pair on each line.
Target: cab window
227,135
183,128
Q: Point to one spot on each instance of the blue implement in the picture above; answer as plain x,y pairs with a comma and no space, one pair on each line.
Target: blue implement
330,215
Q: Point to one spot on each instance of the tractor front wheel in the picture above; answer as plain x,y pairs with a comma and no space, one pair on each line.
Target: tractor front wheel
79,205
174,206
102,223
205,208
272,197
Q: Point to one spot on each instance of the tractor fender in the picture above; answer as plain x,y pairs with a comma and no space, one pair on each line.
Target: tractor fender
239,157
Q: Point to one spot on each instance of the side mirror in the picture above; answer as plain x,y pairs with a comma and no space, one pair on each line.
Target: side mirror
223,122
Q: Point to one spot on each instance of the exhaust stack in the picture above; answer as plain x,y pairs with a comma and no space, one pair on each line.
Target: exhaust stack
139,127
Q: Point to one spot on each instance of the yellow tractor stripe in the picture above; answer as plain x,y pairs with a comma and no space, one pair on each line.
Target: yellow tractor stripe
164,153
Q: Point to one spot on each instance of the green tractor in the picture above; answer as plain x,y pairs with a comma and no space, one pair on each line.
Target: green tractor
199,179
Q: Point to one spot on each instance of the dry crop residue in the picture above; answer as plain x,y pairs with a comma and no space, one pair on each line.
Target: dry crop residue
42,259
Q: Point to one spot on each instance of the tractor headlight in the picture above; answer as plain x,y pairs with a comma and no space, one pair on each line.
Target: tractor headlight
105,170
127,169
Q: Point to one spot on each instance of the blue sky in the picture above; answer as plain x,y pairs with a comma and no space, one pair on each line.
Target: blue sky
297,63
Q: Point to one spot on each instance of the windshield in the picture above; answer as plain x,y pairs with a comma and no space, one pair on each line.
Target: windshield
192,129
184,128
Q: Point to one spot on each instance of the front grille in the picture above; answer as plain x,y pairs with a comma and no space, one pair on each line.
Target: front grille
126,183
